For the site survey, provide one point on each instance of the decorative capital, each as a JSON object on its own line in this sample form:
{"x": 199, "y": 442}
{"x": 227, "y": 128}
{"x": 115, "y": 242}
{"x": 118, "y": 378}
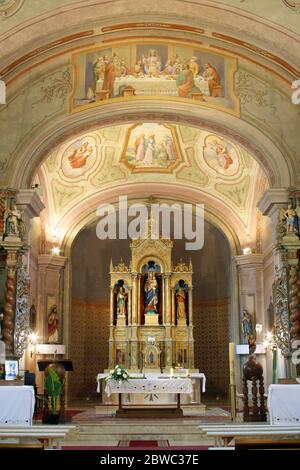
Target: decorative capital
{"x": 182, "y": 267}
{"x": 272, "y": 199}
{"x": 30, "y": 201}
{"x": 121, "y": 267}
{"x": 253, "y": 259}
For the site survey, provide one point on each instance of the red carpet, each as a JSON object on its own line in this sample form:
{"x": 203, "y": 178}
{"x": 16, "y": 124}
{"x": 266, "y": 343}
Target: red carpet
{"x": 133, "y": 448}
{"x": 143, "y": 444}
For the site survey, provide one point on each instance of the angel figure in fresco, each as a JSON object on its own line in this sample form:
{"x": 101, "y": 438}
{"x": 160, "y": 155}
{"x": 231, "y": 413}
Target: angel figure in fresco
{"x": 121, "y": 302}
{"x": 224, "y": 158}
{"x": 79, "y": 156}
{"x": 151, "y": 293}
{"x": 247, "y": 324}
{"x": 53, "y": 321}
{"x": 213, "y": 78}
{"x": 180, "y": 299}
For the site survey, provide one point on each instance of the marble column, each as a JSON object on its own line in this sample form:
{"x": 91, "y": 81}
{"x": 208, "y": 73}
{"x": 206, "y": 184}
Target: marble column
{"x": 250, "y": 273}
{"x": 50, "y": 289}
{"x": 29, "y": 203}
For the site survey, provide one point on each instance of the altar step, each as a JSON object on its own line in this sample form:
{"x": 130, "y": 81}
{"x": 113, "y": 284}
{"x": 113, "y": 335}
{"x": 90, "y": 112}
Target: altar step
{"x": 188, "y": 410}
{"x": 112, "y": 431}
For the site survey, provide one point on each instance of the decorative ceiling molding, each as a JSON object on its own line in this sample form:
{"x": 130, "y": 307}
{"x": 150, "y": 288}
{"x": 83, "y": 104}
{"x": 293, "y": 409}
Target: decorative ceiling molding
{"x": 9, "y": 7}
{"x": 292, "y": 5}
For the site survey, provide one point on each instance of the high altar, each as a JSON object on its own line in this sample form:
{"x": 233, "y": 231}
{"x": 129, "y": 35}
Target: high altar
{"x": 151, "y": 313}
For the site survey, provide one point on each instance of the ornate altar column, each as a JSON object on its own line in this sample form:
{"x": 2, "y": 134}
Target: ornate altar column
{"x": 168, "y": 299}
{"x": 286, "y": 244}
{"x": 111, "y": 306}
{"x": 173, "y": 320}
{"x": 129, "y": 313}
{"x": 190, "y": 305}
{"x": 13, "y": 263}
{"x": 135, "y": 283}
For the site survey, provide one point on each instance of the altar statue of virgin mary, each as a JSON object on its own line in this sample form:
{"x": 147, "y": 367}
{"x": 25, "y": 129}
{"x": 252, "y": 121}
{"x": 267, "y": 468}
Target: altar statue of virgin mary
{"x": 151, "y": 294}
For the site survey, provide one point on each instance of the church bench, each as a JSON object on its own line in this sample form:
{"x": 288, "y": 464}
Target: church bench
{"x": 49, "y": 436}
{"x": 242, "y": 443}
{"x": 223, "y": 434}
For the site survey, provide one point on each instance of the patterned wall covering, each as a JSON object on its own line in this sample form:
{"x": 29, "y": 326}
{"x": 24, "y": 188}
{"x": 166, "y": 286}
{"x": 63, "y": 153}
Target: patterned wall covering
{"x": 89, "y": 349}
{"x": 211, "y": 328}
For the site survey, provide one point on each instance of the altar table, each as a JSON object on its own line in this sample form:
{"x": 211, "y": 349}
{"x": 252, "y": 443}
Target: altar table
{"x": 284, "y": 404}
{"x": 16, "y": 405}
{"x": 150, "y": 385}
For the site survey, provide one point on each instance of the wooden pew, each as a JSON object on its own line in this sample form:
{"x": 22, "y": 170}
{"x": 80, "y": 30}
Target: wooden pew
{"x": 224, "y": 434}
{"x": 50, "y": 437}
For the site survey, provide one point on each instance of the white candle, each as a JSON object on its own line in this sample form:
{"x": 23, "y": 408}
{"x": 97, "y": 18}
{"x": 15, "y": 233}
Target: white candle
{"x": 171, "y": 372}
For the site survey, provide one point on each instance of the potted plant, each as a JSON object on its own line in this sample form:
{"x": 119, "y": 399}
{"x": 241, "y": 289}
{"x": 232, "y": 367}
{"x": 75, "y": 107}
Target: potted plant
{"x": 53, "y": 385}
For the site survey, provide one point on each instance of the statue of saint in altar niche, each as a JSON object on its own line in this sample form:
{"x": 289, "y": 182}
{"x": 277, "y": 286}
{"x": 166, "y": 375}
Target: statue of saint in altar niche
{"x": 121, "y": 302}
{"x": 151, "y": 294}
{"x": 180, "y": 299}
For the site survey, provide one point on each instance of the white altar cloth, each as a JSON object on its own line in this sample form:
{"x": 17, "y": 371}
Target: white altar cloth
{"x": 150, "y": 385}
{"x": 284, "y": 404}
{"x": 148, "y": 86}
{"x": 193, "y": 375}
{"x": 16, "y": 405}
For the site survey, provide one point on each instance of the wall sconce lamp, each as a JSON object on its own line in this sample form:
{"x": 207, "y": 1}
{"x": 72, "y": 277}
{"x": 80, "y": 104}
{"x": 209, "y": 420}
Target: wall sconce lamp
{"x": 55, "y": 251}
{"x": 32, "y": 342}
{"x": 247, "y": 250}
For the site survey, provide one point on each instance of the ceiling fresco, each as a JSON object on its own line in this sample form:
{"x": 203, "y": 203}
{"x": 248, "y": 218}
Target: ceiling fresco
{"x": 157, "y": 69}
{"x": 148, "y": 152}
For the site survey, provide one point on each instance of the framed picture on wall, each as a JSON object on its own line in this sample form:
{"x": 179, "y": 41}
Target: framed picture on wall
{"x": 11, "y": 370}
{"x": 52, "y": 320}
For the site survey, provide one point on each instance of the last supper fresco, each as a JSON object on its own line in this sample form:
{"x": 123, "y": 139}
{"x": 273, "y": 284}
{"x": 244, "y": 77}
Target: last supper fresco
{"x": 132, "y": 71}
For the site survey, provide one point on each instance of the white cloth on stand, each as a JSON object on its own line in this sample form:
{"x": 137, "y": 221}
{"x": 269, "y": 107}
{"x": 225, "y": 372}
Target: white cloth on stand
{"x": 16, "y": 405}
{"x": 284, "y": 404}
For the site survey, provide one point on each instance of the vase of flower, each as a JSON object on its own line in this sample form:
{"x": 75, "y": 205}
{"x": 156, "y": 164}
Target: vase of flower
{"x": 119, "y": 374}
